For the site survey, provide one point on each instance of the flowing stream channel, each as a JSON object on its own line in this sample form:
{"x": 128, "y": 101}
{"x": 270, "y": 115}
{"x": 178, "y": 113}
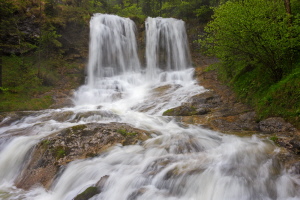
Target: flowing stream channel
{"x": 178, "y": 162}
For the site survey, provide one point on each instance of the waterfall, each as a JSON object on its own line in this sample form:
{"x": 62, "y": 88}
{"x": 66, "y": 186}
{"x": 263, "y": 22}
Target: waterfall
{"x": 113, "y": 48}
{"x": 114, "y": 67}
{"x": 177, "y": 162}
{"x": 166, "y": 45}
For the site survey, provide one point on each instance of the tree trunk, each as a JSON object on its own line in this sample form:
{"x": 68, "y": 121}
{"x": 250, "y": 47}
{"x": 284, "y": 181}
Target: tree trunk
{"x": 160, "y": 7}
{"x": 287, "y": 4}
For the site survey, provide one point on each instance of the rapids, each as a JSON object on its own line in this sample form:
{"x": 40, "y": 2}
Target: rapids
{"x": 179, "y": 162}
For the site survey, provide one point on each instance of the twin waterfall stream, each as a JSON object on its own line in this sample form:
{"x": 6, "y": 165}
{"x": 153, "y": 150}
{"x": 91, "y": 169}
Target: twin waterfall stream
{"x": 178, "y": 162}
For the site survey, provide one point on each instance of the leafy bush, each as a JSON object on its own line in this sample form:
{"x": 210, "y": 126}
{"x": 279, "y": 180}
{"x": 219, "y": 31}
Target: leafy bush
{"x": 253, "y": 33}
{"x": 258, "y": 45}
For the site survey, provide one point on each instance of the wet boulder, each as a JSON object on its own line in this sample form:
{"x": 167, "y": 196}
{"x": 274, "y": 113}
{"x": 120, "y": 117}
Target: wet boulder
{"x": 83, "y": 141}
{"x": 295, "y": 145}
{"x": 208, "y": 99}
{"x": 186, "y": 110}
{"x": 88, "y": 193}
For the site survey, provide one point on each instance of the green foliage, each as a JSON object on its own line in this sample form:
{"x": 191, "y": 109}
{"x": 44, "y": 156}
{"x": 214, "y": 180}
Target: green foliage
{"x": 50, "y": 8}
{"x": 274, "y": 138}
{"x": 128, "y": 9}
{"x": 18, "y": 102}
{"x": 254, "y": 33}
{"x": 168, "y": 112}
{"x": 45, "y": 143}
{"x": 18, "y": 74}
{"x": 22, "y": 85}
{"x": 204, "y": 13}
{"x": 49, "y": 43}
{"x": 295, "y": 6}
{"x": 7, "y": 8}
{"x": 2, "y": 89}
{"x": 282, "y": 99}
{"x": 60, "y": 152}
{"x": 258, "y": 45}
{"x": 188, "y": 9}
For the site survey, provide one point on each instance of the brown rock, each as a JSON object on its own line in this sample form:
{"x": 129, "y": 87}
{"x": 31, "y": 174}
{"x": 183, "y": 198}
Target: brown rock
{"x": 275, "y": 125}
{"x": 77, "y": 142}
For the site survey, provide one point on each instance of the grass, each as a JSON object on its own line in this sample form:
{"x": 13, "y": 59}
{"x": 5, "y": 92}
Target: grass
{"x": 168, "y": 112}
{"x": 283, "y": 99}
{"x": 45, "y": 143}
{"x": 274, "y": 138}
{"x": 280, "y": 99}
{"x": 59, "y": 152}
{"x": 21, "y": 102}
{"x": 21, "y": 87}
{"x": 25, "y": 81}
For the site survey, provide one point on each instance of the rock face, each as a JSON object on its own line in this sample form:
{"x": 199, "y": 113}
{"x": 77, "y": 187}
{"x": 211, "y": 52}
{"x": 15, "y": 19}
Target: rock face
{"x": 77, "y": 142}
{"x": 209, "y": 109}
{"x": 275, "y": 124}
{"x": 290, "y": 143}
{"x": 186, "y": 110}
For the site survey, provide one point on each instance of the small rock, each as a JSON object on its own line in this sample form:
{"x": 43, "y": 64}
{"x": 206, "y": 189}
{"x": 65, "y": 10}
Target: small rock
{"x": 249, "y": 116}
{"x": 275, "y": 125}
{"x": 202, "y": 111}
{"x": 295, "y": 142}
{"x": 209, "y": 99}
{"x": 87, "y": 194}
{"x": 295, "y": 168}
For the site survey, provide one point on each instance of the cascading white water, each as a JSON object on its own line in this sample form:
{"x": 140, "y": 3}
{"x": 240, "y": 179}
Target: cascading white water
{"x": 177, "y": 163}
{"x": 166, "y": 45}
{"x": 113, "y": 48}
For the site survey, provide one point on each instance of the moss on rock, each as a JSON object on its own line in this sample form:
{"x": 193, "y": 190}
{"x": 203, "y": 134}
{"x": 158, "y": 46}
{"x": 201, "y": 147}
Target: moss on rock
{"x": 88, "y": 193}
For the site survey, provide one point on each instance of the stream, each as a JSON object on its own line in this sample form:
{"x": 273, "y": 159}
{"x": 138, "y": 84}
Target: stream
{"x": 178, "y": 161}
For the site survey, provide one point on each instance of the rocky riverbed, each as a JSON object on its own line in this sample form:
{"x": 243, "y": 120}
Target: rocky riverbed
{"x": 216, "y": 109}
{"x": 219, "y": 109}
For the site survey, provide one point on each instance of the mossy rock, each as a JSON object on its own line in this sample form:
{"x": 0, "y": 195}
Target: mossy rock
{"x": 125, "y": 132}
{"x": 88, "y": 193}
{"x": 185, "y": 110}
{"x": 78, "y": 127}
{"x": 73, "y": 143}
{"x": 60, "y": 152}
